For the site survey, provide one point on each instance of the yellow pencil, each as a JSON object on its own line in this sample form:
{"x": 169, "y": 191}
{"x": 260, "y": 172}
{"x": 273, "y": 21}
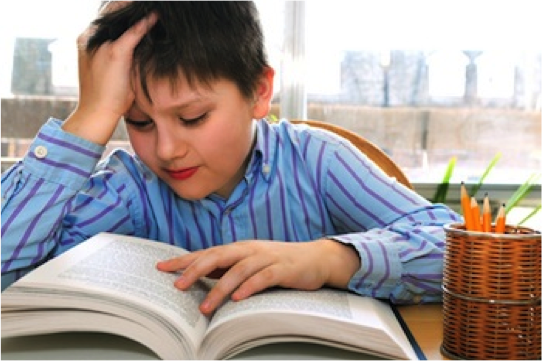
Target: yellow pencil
{"x": 475, "y": 214}
{"x": 465, "y": 205}
{"x": 486, "y": 215}
{"x": 500, "y": 221}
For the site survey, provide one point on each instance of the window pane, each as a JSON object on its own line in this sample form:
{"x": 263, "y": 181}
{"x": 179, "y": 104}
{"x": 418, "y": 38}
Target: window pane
{"x": 272, "y": 20}
{"x": 428, "y": 81}
{"x": 38, "y": 76}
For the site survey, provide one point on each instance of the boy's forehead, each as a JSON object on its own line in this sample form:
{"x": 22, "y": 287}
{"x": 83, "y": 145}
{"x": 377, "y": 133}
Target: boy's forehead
{"x": 165, "y": 94}
{"x": 135, "y": 112}
{"x": 168, "y": 89}
{"x": 177, "y": 83}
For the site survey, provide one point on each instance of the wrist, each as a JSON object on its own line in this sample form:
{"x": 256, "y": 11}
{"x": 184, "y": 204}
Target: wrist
{"x": 343, "y": 262}
{"x": 94, "y": 126}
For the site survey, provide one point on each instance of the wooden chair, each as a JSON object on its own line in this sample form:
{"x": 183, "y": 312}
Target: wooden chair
{"x": 372, "y": 151}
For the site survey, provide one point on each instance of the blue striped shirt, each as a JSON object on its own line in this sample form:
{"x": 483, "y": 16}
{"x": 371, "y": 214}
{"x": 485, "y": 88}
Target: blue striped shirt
{"x": 301, "y": 184}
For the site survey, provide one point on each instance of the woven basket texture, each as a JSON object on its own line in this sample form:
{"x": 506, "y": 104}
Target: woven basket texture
{"x": 492, "y": 289}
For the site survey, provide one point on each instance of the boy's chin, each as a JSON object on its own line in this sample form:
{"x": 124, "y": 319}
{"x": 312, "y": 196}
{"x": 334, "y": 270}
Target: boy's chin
{"x": 193, "y": 192}
{"x": 191, "y": 195}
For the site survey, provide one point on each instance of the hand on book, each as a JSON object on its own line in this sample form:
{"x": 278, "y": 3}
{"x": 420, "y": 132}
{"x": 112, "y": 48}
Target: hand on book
{"x": 245, "y": 268}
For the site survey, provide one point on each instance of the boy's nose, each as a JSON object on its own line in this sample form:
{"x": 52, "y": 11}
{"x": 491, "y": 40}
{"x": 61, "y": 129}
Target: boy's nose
{"x": 170, "y": 145}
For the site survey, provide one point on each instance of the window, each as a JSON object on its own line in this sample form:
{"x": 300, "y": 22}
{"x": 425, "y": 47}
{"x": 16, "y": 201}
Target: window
{"x": 38, "y": 76}
{"x": 429, "y": 81}
{"x": 424, "y": 80}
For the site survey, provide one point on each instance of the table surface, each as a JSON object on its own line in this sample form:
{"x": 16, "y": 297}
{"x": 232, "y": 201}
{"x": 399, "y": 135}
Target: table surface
{"x": 425, "y": 324}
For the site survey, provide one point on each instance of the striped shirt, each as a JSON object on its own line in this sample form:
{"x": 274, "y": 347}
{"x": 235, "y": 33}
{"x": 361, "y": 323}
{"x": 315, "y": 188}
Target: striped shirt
{"x": 301, "y": 184}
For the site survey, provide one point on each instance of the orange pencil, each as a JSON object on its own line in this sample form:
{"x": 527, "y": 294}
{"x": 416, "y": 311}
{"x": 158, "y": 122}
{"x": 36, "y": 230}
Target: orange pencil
{"x": 475, "y": 214}
{"x": 486, "y": 215}
{"x": 500, "y": 221}
{"x": 465, "y": 205}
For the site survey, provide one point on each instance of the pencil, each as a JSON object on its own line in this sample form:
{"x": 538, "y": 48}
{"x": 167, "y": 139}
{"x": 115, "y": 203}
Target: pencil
{"x": 475, "y": 214}
{"x": 465, "y": 205}
{"x": 486, "y": 215}
{"x": 500, "y": 221}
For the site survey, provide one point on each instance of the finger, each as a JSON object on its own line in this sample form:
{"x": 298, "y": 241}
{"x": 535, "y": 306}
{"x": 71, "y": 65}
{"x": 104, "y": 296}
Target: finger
{"x": 208, "y": 261}
{"x": 177, "y": 263}
{"x": 229, "y": 282}
{"x": 200, "y": 268}
{"x": 128, "y": 40}
{"x": 131, "y": 37}
{"x": 267, "y": 277}
{"x": 182, "y": 262}
{"x": 105, "y": 8}
{"x": 109, "y": 6}
{"x": 82, "y": 39}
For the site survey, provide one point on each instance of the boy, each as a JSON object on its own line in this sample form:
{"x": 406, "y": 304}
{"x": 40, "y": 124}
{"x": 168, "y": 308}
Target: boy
{"x": 259, "y": 204}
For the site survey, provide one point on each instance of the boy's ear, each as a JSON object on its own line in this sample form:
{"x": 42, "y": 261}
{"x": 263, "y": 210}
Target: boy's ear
{"x": 264, "y": 94}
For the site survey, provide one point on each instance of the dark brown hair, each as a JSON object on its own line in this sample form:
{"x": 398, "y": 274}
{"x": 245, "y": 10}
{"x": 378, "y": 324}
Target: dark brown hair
{"x": 204, "y": 41}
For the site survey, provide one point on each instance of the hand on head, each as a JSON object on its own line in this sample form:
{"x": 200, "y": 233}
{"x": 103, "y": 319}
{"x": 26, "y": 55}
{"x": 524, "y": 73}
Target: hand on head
{"x": 105, "y": 80}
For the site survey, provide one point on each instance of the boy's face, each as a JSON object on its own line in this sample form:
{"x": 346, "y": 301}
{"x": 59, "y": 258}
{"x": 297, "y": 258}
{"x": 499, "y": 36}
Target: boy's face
{"x": 196, "y": 139}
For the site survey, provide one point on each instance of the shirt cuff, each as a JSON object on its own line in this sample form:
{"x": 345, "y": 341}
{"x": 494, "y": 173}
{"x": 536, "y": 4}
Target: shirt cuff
{"x": 381, "y": 268}
{"x": 61, "y": 157}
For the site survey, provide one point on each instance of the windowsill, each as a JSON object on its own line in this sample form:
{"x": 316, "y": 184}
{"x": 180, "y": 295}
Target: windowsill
{"x": 498, "y": 194}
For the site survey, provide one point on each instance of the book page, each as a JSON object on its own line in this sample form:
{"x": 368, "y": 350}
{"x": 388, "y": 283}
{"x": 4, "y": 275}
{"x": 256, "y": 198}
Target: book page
{"x": 326, "y": 302}
{"x": 76, "y": 346}
{"x": 44, "y": 322}
{"x": 123, "y": 267}
{"x": 290, "y": 349}
{"x": 325, "y": 316}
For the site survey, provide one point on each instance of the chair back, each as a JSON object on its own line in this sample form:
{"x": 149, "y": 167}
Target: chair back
{"x": 370, "y": 149}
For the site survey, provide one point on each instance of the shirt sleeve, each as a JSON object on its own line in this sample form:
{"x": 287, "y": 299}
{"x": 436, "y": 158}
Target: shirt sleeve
{"x": 397, "y": 233}
{"x": 40, "y": 214}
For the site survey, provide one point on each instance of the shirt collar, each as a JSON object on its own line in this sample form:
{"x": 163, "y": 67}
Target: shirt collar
{"x": 264, "y": 152}
{"x": 262, "y": 160}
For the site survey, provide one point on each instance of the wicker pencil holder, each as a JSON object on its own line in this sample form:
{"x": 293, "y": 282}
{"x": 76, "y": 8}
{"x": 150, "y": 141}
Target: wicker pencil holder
{"x": 491, "y": 299}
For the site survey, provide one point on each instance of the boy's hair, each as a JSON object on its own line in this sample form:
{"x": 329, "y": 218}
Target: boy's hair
{"x": 202, "y": 40}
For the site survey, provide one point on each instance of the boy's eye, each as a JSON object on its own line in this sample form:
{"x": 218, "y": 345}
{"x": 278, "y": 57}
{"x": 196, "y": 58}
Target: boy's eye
{"x": 193, "y": 121}
{"x": 140, "y": 124}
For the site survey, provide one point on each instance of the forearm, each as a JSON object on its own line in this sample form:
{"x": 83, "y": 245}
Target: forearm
{"x": 36, "y": 192}
{"x": 397, "y": 234}
{"x": 401, "y": 262}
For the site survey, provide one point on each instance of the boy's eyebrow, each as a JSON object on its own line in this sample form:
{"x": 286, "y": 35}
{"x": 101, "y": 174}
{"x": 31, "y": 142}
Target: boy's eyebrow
{"x": 184, "y": 103}
{"x": 190, "y": 97}
{"x": 187, "y": 103}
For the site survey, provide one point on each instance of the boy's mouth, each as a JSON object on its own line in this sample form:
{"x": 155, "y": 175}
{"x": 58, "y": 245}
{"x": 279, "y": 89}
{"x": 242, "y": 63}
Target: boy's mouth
{"x": 182, "y": 174}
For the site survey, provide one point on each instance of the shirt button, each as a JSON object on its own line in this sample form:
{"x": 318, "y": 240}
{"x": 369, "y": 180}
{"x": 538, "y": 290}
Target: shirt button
{"x": 40, "y": 151}
{"x": 266, "y": 168}
{"x": 147, "y": 176}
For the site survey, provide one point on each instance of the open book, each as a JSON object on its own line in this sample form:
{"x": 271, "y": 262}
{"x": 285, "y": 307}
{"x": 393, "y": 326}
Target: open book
{"x": 110, "y": 284}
